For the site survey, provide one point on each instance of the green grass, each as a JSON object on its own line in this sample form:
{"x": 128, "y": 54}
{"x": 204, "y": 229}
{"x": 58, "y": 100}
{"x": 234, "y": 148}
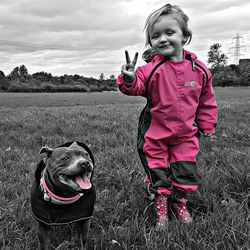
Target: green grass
{"x": 123, "y": 217}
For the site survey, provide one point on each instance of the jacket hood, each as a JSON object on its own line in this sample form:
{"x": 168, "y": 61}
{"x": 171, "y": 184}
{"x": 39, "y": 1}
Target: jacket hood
{"x": 148, "y": 55}
{"x": 189, "y": 54}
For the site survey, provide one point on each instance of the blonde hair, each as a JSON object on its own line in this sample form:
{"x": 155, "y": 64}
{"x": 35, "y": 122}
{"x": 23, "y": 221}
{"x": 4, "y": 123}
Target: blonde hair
{"x": 178, "y": 14}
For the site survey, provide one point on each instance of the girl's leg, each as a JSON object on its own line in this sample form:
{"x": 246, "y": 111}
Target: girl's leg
{"x": 184, "y": 175}
{"x": 154, "y": 158}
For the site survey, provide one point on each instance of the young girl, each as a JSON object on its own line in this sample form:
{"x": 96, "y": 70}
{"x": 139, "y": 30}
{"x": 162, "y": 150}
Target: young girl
{"x": 180, "y": 103}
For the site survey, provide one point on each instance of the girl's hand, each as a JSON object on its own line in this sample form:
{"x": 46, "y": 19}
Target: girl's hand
{"x": 210, "y": 137}
{"x": 128, "y": 69}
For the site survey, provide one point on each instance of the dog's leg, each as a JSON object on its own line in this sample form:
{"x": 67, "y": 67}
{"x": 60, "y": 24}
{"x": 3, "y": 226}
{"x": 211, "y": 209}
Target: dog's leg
{"x": 43, "y": 231}
{"x": 83, "y": 231}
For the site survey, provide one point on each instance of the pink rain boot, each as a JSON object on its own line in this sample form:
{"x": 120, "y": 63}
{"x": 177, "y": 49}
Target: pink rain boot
{"x": 181, "y": 210}
{"x": 162, "y": 212}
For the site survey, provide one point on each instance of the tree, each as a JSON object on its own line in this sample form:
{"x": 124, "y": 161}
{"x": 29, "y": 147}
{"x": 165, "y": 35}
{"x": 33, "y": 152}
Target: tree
{"x": 245, "y": 78}
{"x": 4, "y": 83}
{"x": 216, "y": 57}
{"x": 23, "y": 71}
{"x": 14, "y": 75}
{"x": 19, "y": 73}
{"x": 244, "y": 66}
{"x": 112, "y": 77}
{"x": 2, "y": 74}
{"x": 43, "y": 76}
{"x": 101, "y": 77}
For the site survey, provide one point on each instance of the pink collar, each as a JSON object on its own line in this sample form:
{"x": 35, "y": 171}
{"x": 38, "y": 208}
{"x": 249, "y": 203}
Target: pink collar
{"x": 48, "y": 195}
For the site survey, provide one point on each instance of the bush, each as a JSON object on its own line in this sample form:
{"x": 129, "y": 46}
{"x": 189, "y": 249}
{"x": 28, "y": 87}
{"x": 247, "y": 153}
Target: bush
{"x": 225, "y": 77}
{"x": 71, "y": 88}
{"x": 4, "y": 83}
{"x": 107, "y": 88}
{"x": 37, "y": 86}
{"x": 48, "y": 87}
{"x": 245, "y": 78}
{"x": 17, "y": 86}
{"x": 94, "y": 88}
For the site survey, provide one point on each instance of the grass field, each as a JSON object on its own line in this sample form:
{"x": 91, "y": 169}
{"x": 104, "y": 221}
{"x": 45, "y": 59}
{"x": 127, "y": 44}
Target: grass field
{"x": 123, "y": 217}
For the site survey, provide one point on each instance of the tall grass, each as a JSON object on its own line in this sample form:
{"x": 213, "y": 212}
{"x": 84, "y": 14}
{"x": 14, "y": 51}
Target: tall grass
{"x": 123, "y": 217}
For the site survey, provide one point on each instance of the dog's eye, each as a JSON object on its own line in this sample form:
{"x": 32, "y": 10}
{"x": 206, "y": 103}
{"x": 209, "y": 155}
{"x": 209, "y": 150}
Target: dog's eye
{"x": 66, "y": 157}
{"x": 84, "y": 154}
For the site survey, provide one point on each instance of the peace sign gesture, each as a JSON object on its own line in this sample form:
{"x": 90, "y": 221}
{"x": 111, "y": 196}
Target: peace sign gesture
{"x": 128, "y": 69}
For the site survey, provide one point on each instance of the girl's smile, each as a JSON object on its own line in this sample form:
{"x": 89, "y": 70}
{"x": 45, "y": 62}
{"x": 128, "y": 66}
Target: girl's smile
{"x": 167, "y": 37}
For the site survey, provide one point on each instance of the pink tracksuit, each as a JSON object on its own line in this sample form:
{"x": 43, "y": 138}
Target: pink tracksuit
{"x": 180, "y": 103}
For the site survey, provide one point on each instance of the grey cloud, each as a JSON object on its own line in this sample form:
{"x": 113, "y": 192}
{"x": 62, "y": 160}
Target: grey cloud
{"x": 60, "y": 33}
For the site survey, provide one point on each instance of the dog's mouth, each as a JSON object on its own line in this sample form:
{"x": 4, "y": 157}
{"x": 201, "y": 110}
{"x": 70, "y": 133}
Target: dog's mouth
{"x": 83, "y": 182}
{"x": 77, "y": 182}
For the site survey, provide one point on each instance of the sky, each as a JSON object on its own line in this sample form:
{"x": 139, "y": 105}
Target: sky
{"x": 89, "y": 37}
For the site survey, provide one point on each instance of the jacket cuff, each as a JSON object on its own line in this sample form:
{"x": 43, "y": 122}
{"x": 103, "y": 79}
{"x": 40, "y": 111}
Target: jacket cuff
{"x": 208, "y": 131}
{"x": 120, "y": 81}
{"x": 207, "y": 128}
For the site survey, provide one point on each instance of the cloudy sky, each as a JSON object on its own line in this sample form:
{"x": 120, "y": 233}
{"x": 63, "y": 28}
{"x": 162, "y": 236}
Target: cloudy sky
{"x": 89, "y": 37}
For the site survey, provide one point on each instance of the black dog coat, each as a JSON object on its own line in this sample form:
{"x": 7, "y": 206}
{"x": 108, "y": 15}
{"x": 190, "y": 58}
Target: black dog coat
{"x": 53, "y": 214}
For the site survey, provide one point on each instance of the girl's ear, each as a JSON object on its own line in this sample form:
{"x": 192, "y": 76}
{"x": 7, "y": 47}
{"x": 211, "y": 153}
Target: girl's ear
{"x": 184, "y": 40}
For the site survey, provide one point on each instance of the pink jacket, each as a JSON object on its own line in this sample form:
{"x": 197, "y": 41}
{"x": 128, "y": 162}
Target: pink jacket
{"x": 180, "y": 95}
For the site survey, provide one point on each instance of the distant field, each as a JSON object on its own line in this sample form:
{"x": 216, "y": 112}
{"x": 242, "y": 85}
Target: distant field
{"x": 124, "y": 217}
{"x": 64, "y": 99}
{"x": 96, "y": 98}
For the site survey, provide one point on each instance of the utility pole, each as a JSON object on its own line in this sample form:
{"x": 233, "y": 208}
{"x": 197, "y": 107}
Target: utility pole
{"x": 237, "y": 48}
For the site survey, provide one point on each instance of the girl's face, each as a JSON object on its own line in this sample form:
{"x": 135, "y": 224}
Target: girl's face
{"x": 167, "y": 37}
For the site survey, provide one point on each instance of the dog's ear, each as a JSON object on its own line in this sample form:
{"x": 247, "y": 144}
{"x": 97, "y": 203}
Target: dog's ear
{"x": 74, "y": 144}
{"x": 47, "y": 151}
{"x": 87, "y": 142}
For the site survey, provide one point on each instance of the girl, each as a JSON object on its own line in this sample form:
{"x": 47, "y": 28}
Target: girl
{"x": 180, "y": 103}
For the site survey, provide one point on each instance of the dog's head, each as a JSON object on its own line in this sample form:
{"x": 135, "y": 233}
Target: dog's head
{"x": 69, "y": 167}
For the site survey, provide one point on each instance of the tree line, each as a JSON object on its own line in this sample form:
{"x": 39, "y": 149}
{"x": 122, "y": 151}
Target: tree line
{"x": 19, "y": 80}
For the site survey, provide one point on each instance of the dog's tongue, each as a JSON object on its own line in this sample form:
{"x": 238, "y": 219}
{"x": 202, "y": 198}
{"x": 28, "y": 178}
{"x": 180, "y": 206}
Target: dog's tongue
{"x": 84, "y": 182}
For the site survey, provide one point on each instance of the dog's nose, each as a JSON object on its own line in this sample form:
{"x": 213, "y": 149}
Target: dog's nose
{"x": 85, "y": 164}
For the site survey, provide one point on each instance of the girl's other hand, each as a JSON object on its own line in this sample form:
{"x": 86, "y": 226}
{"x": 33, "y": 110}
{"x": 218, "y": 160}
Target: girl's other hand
{"x": 128, "y": 69}
{"x": 210, "y": 137}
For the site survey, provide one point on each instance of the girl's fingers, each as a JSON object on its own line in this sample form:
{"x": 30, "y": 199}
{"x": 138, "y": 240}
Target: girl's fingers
{"x": 135, "y": 59}
{"x": 124, "y": 67}
{"x": 125, "y": 70}
{"x": 128, "y": 61}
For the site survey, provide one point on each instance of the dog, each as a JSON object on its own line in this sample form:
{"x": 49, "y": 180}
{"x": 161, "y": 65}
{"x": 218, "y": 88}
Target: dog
{"x": 62, "y": 191}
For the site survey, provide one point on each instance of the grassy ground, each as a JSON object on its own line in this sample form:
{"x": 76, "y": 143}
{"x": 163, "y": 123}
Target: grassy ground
{"x": 123, "y": 217}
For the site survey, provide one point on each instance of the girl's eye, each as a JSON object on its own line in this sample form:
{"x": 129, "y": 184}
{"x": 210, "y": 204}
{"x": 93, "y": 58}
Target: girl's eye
{"x": 154, "y": 36}
{"x": 170, "y": 32}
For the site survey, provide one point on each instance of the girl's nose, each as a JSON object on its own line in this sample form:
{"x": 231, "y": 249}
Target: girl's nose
{"x": 163, "y": 38}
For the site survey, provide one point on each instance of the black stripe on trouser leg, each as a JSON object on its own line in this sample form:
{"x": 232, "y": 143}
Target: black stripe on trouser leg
{"x": 185, "y": 173}
{"x": 159, "y": 179}
{"x": 158, "y": 176}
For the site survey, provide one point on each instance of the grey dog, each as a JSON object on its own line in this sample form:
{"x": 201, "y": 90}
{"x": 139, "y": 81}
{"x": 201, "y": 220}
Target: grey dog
{"x": 63, "y": 192}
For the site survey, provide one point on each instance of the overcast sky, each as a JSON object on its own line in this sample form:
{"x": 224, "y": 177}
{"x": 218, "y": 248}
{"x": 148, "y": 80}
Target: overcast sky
{"x": 89, "y": 37}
